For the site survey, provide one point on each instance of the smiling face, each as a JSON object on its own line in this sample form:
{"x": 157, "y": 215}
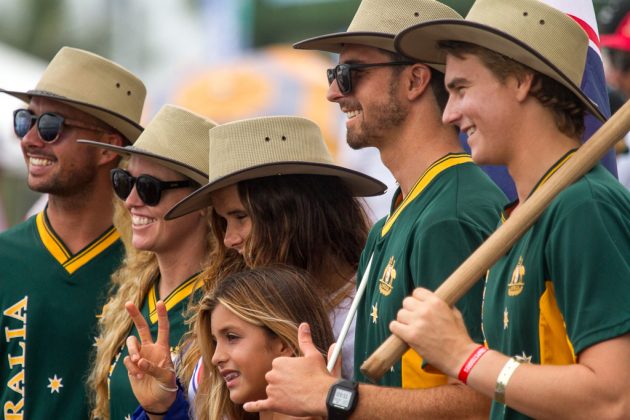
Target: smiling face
{"x": 63, "y": 167}
{"x": 149, "y": 229}
{"x": 483, "y": 107}
{"x": 243, "y": 354}
{"x": 238, "y": 223}
{"x": 374, "y": 106}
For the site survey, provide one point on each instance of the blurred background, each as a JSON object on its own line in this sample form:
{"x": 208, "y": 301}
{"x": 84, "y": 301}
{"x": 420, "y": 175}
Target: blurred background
{"x": 226, "y": 59}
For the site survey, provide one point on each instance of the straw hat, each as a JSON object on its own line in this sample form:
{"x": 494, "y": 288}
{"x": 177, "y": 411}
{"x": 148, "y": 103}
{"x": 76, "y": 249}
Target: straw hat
{"x": 175, "y": 138}
{"x": 527, "y": 31}
{"x": 269, "y": 146}
{"x": 94, "y": 85}
{"x": 377, "y": 22}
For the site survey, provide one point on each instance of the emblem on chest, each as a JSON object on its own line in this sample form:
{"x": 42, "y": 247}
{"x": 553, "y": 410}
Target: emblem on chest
{"x": 387, "y": 281}
{"x": 516, "y": 284}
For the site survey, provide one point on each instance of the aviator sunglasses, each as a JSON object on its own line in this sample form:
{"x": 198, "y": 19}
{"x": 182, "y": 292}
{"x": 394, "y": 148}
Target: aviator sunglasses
{"x": 149, "y": 188}
{"x": 49, "y": 124}
{"x": 342, "y": 73}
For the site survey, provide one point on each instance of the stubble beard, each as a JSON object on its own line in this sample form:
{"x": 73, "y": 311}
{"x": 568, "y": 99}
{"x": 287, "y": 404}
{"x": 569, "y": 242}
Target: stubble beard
{"x": 386, "y": 116}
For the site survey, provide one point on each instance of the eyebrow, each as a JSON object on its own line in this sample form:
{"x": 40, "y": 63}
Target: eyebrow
{"x": 455, "y": 82}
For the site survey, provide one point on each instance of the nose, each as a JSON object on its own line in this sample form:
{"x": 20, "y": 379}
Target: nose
{"x": 219, "y": 356}
{"x": 133, "y": 199}
{"x": 334, "y": 94}
{"x": 232, "y": 238}
{"x": 31, "y": 138}
{"x": 451, "y": 114}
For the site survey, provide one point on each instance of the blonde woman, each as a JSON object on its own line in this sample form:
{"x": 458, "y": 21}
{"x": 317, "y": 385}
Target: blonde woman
{"x": 164, "y": 258}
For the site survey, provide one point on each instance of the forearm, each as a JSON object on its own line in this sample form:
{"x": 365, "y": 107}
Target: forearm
{"x": 453, "y": 401}
{"x": 569, "y": 391}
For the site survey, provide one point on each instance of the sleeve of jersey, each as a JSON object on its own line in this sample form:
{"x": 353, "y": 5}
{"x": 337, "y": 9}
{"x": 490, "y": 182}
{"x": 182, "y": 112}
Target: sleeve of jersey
{"x": 179, "y": 410}
{"x": 588, "y": 253}
{"x": 438, "y": 250}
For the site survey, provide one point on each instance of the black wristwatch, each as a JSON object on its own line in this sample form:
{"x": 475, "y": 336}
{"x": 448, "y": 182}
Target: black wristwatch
{"x": 342, "y": 399}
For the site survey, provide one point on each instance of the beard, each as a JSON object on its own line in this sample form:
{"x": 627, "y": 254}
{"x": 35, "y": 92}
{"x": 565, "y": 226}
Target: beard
{"x": 383, "y": 117}
{"x": 69, "y": 179}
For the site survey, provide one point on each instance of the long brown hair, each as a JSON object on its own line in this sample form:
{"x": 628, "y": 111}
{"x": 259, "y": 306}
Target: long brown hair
{"x": 275, "y": 298}
{"x": 307, "y": 221}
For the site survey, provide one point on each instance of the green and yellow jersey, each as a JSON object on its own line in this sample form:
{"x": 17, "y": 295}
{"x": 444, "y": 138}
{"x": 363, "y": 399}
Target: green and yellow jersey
{"x": 122, "y": 401}
{"x": 50, "y": 300}
{"x": 448, "y": 213}
{"x": 565, "y": 285}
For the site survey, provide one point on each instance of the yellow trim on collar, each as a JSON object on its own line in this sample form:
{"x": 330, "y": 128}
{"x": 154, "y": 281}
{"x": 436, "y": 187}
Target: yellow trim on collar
{"x": 58, "y": 250}
{"x": 429, "y": 175}
{"x": 180, "y": 293}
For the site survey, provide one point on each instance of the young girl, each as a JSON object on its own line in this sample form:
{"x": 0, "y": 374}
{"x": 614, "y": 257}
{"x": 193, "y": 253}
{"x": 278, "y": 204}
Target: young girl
{"x": 249, "y": 319}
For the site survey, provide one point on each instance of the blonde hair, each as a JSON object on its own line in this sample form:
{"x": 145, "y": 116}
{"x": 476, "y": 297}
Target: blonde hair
{"x": 276, "y": 299}
{"x": 131, "y": 282}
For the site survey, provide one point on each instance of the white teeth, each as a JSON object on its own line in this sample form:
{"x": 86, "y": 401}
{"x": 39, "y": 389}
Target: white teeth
{"x": 352, "y": 114}
{"x": 471, "y": 131}
{"x": 40, "y": 161}
{"x": 140, "y": 220}
{"x": 231, "y": 376}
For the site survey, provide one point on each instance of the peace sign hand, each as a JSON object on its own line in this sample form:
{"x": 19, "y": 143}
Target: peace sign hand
{"x": 149, "y": 365}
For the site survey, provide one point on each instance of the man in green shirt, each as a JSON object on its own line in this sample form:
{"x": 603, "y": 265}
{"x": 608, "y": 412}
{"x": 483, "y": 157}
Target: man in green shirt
{"x": 556, "y": 314}
{"x": 55, "y": 267}
{"x": 444, "y": 208}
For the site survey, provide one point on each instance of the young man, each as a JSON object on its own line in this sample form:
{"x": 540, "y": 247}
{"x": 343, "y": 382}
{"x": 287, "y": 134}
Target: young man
{"x": 556, "y": 310}
{"x": 444, "y": 208}
{"x": 55, "y": 267}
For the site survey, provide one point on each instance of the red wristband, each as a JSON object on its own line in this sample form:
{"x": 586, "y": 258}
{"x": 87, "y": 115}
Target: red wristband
{"x": 471, "y": 362}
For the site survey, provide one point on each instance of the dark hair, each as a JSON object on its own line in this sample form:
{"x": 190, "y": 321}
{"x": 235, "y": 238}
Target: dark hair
{"x": 568, "y": 111}
{"x": 307, "y": 221}
{"x": 437, "y": 79}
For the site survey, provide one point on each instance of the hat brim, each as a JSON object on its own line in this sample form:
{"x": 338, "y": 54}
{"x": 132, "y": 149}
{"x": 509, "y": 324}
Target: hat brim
{"x": 128, "y": 128}
{"x": 334, "y": 43}
{"x": 186, "y": 170}
{"x": 420, "y": 42}
{"x": 360, "y": 185}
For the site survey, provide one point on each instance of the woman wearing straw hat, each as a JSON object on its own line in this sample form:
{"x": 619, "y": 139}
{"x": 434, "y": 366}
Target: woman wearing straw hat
{"x": 278, "y": 197}
{"x": 161, "y": 271}
{"x": 556, "y": 312}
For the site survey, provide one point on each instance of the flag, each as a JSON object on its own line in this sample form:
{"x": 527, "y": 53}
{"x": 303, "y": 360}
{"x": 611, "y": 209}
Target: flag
{"x": 593, "y": 85}
{"x": 593, "y": 80}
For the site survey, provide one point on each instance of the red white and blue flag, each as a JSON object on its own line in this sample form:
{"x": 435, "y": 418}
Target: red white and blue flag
{"x": 593, "y": 81}
{"x": 593, "y": 85}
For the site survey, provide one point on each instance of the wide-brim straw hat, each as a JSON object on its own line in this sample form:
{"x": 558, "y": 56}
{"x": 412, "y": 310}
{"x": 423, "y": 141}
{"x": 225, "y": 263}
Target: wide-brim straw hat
{"x": 94, "y": 85}
{"x": 175, "y": 138}
{"x": 377, "y": 22}
{"x": 270, "y": 146}
{"x": 527, "y": 31}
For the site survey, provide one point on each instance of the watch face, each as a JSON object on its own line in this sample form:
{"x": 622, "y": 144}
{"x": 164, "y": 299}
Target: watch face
{"x": 342, "y": 398}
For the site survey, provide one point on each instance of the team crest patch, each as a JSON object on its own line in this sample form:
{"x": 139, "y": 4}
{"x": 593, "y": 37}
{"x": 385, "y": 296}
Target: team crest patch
{"x": 515, "y": 287}
{"x": 387, "y": 281}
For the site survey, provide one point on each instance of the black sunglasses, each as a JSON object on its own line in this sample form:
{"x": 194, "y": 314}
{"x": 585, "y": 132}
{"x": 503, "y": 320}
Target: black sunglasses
{"x": 149, "y": 188}
{"x": 342, "y": 73}
{"x": 49, "y": 124}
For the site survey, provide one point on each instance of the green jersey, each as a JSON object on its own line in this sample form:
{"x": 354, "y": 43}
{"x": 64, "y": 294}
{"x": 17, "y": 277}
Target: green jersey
{"x": 50, "y": 300}
{"x": 448, "y": 213}
{"x": 122, "y": 401}
{"x": 565, "y": 285}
